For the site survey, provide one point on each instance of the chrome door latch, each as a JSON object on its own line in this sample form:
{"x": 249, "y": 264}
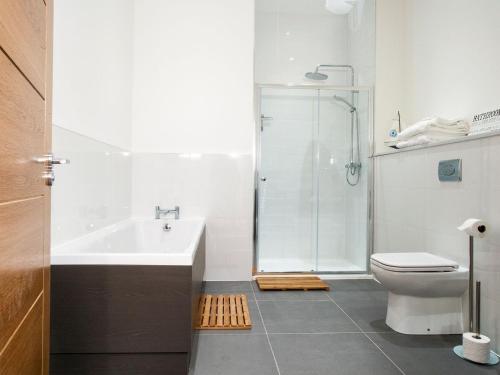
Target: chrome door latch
{"x": 264, "y": 119}
{"x": 49, "y": 161}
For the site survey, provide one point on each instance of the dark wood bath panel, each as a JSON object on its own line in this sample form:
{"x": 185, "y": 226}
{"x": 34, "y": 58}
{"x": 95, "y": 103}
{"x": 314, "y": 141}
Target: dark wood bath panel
{"x": 124, "y": 309}
{"x": 119, "y": 364}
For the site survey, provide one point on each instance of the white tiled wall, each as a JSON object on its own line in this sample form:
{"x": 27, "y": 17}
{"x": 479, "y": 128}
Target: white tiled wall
{"x": 218, "y": 187}
{"x": 91, "y": 192}
{"x": 92, "y": 109}
{"x": 193, "y": 94}
{"x": 95, "y": 190}
{"x": 293, "y": 36}
{"x": 416, "y": 212}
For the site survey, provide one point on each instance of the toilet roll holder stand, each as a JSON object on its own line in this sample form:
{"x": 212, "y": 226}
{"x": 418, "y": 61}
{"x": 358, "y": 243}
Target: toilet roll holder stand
{"x": 459, "y": 349}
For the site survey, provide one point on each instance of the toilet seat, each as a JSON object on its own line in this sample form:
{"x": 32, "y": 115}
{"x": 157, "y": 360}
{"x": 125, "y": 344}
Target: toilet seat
{"x": 413, "y": 262}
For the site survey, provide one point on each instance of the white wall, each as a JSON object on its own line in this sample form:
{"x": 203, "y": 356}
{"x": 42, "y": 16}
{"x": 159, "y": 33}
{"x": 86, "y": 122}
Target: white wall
{"x": 293, "y": 36}
{"x": 452, "y": 62}
{"x": 91, "y": 192}
{"x": 435, "y": 58}
{"x": 362, "y": 41}
{"x": 179, "y": 92}
{"x": 193, "y": 76}
{"x": 93, "y": 68}
{"x": 193, "y": 125}
{"x": 218, "y": 187}
{"x": 439, "y": 58}
{"x": 390, "y": 51}
{"x": 92, "y": 108}
{"x": 416, "y": 212}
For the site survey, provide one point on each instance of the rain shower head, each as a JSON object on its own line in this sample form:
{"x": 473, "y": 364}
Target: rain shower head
{"x": 317, "y": 76}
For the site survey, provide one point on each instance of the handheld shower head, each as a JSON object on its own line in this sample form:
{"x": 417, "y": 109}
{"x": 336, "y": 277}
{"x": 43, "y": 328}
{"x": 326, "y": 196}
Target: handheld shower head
{"x": 340, "y": 99}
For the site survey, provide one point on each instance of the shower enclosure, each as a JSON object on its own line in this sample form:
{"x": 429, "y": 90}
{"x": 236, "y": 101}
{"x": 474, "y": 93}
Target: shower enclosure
{"x": 313, "y": 179}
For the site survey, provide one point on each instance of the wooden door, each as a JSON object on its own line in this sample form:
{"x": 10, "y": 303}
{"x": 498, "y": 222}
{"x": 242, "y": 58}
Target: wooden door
{"x": 25, "y": 124}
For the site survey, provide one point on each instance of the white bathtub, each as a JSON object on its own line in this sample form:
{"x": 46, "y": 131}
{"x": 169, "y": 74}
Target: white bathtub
{"x": 135, "y": 241}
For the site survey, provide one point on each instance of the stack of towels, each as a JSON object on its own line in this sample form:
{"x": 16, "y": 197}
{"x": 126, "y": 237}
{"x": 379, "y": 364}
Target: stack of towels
{"x": 432, "y": 130}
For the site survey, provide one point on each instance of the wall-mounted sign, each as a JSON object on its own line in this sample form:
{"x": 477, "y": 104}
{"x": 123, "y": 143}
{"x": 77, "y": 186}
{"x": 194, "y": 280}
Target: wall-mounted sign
{"x": 485, "y": 122}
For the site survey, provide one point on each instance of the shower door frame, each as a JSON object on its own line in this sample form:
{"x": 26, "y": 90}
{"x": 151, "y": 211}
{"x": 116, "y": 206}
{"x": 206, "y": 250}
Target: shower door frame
{"x": 370, "y": 177}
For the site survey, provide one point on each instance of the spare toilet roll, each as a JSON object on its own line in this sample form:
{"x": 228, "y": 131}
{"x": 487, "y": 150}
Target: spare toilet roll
{"x": 476, "y": 349}
{"x": 473, "y": 227}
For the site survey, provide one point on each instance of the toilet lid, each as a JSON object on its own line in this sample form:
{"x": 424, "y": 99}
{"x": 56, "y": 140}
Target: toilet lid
{"x": 413, "y": 262}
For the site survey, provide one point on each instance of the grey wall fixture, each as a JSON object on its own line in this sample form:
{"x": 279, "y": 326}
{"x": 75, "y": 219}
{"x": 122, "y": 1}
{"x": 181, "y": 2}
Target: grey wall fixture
{"x": 450, "y": 170}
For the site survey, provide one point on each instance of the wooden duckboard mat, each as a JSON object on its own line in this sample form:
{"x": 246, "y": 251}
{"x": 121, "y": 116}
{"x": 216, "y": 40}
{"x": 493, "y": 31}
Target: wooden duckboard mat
{"x": 291, "y": 283}
{"x": 229, "y": 311}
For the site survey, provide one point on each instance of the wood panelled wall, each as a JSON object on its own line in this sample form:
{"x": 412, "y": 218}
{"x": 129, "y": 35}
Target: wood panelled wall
{"x": 25, "y": 124}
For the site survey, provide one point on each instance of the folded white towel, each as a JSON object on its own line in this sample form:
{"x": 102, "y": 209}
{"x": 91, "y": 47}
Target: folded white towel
{"x": 430, "y": 137}
{"x": 415, "y": 141}
{"x": 436, "y": 125}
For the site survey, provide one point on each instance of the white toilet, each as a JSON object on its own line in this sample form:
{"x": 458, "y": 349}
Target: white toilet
{"x": 425, "y": 292}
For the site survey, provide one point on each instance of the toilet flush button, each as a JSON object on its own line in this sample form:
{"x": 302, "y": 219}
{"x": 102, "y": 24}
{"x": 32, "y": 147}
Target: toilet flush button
{"x": 450, "y": 170}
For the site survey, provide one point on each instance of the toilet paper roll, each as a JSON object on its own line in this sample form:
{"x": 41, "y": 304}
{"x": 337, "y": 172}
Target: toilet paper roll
{"x": 476, "y": 349}
{"x": 473, "y": 227}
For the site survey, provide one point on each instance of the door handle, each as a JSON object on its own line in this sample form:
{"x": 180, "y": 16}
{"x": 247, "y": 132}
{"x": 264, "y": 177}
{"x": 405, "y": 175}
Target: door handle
{"x": 263, "y": 179}
{"x": 59, "y": 161}
{"x": 49, "y": 161}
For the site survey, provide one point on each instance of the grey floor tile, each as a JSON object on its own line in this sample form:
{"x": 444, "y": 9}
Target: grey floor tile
{"x": 367, "y": 308}
{"x": 234, "y": 355}
{"x": 354, "y": 285}
{"x": 229, "y": 287}
{"x": 304, "y": 317}
{"x": 257, "y": 326}
{"x": 289, "y": 295}
{"x": 330, "y": 354}
{"x": 429, "y": 355}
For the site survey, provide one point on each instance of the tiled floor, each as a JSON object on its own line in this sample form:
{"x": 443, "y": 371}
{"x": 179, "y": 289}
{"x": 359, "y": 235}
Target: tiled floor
{"x": 324, "y": 333}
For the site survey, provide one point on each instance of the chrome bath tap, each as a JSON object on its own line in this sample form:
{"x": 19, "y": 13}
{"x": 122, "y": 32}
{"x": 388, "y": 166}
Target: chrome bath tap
{"x": 162, "y": 212}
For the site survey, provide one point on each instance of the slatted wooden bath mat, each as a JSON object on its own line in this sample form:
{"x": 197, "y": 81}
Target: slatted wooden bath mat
{"x": 229, "y": 311}
{"x": 292, "y": 283}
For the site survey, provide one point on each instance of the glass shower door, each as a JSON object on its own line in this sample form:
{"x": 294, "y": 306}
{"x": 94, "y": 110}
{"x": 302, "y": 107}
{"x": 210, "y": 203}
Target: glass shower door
{"x": 313, "y": 180}
{"x": 287, "y": 208}
{"x": 343, "y": 166}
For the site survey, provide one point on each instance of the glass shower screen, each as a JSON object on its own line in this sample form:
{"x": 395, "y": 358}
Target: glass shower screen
{"x": 313, "y": 180}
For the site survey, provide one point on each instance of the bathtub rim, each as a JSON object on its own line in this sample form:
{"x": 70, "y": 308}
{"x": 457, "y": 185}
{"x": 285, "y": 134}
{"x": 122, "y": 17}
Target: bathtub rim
{"x": 62, "y": 254}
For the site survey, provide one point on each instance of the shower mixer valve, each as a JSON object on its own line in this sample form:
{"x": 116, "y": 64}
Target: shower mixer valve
{"x": 353, "y": 167}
